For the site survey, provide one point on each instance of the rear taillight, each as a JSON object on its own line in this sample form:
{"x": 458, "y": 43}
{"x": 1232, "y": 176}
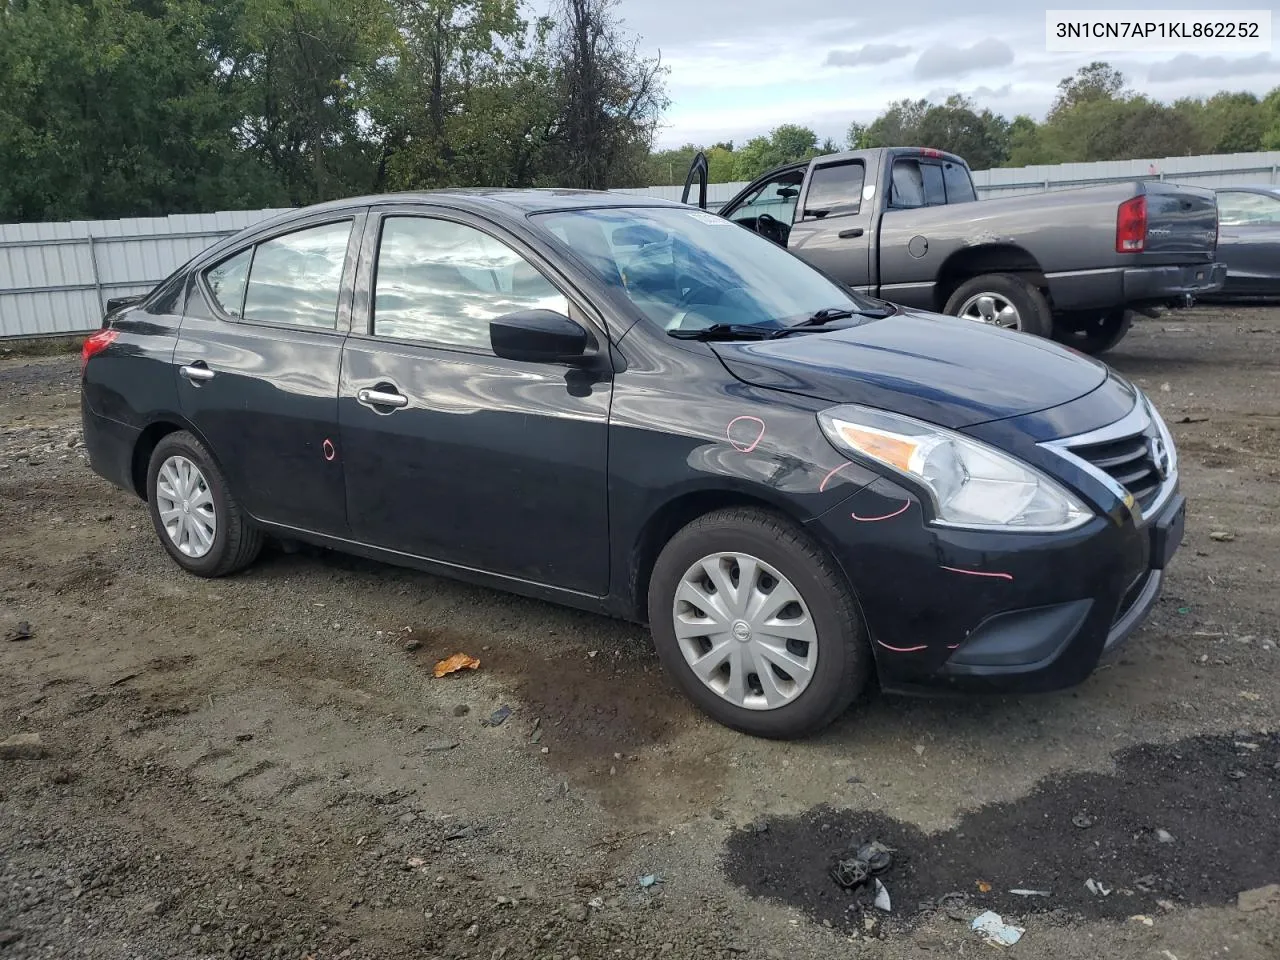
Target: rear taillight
{"x": 95, "y": 344}
{"x": 1131, "y": 226}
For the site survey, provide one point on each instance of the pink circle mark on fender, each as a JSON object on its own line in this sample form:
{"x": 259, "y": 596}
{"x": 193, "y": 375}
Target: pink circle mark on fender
{"x": 329, "y": 451}
{"x": 888, "y": 516}
{"x": 980, "y": 573}
{"x": 834, "y": 470}
{"x": 739, "y": 445}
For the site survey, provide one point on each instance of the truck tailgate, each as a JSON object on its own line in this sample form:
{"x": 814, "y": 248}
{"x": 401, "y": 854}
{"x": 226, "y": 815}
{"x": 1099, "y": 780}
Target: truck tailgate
{"x": 1180, "y": 220}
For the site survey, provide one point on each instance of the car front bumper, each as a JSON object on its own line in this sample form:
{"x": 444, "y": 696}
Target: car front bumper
{"x": 1019, "y": 612}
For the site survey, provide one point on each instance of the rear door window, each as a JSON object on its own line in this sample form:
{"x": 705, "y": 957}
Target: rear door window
{"x": 294, "y": 279}
{"x": 906, "y": 188}
{"x": 835, "y": 190}
{"x": 917, "y": 183}
{"x": 959, "y": 185}
{"x": 935, "y": 192}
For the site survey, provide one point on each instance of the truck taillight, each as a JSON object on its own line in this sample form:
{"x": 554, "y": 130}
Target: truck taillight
{"x": 1131, "y": 226}
{"x": 94, "y": 344}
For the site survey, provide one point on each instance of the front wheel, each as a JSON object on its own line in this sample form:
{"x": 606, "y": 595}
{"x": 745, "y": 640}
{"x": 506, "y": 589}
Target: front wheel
{"x": 1002, "y": 300}
{"x": 757, "y": 625}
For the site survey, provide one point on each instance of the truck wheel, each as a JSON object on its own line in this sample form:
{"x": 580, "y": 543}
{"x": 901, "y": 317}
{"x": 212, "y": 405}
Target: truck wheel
{"x": 1098, "y": 335}
{"x": 757, "y": 625}
{"x": 1002, "y": 300}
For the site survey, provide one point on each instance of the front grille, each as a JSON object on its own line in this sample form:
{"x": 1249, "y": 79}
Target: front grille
{"x": 1131, "y": 462}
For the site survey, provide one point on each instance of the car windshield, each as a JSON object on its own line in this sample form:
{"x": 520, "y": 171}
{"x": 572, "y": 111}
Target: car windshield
{"x": 688, "y": 270}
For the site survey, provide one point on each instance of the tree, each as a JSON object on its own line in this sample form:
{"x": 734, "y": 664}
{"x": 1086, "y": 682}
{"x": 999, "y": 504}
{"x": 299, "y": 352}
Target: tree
{"x": 111, "y": 110}
{"x": 460, "y": 100}
{"x": 610, "y": 97}
{"x": 784, "y": 144}
{"x": 299, "y": 67}
{"x": 1091, "y": 83}
{"x": 955, "y": 126}
{"x": 898, "y": 126}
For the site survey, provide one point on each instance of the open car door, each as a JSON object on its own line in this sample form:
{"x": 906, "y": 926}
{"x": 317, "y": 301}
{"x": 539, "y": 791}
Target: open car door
{"x": 697, "y": 173}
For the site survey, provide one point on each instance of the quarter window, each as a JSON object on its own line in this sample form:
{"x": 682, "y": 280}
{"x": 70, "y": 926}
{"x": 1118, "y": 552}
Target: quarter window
{"x": 442, "y": 282}
{"x": 226, "y": 281}
{"x": 295, "y": 279}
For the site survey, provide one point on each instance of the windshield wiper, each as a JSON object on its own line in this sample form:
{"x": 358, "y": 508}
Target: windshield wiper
{"x": 828, "y": 314}
{"x": 731, "y": 331}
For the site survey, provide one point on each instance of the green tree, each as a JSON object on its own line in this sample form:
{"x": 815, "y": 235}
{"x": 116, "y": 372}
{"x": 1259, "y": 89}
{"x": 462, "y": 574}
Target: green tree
{"x": 957, "y": 127}
{"x": 784, "y": 144}
{"x": 610, "y": 98}
{"x": 112, "y": 108}
{"x": 898, "y": 126}
{"x": 1093, "y": 82}
{"x": 301, "y": 68}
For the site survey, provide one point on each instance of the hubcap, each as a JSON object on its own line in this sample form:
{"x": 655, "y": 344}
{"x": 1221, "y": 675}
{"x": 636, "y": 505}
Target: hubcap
{"x": 991, "y": 308}
{"x": 745, "y": 631}
{"x": 185, "y": 505}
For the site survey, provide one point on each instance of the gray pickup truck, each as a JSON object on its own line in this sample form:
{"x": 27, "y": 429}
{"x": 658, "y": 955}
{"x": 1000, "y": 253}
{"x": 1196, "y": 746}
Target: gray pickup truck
{"x": 906, "y": 225}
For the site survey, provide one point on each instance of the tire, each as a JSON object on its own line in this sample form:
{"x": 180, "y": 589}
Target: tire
{"x": 235, "y": 542}
{"x": 1097, "y": 336}
{"x": 1033, "y": 313}
{"x": 842, "y": 662}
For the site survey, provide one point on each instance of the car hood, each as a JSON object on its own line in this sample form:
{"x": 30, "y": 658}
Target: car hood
{"x": 943, "y": 370}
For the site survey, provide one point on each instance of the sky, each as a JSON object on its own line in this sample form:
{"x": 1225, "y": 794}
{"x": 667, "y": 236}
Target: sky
{"x": 740, "y": 67}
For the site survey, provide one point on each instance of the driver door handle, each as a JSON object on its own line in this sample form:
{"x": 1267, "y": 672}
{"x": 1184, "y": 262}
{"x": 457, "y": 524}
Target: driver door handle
{"x": 851, "y": 233}
{"x": 380, "y": 398}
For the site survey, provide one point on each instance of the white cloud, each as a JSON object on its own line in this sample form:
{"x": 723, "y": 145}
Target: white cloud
{"x": 942, "y": 60}
{"x": 1188, "y": 66}
{"x": 870, "y": 54}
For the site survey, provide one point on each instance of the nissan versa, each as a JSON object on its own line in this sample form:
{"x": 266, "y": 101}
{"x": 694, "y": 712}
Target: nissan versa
{"x": 641, "y": 409}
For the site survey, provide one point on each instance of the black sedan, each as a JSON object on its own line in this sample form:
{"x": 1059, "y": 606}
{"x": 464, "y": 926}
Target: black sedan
{"x": 639, "y": 409}
{"x": 1249, "y": 242}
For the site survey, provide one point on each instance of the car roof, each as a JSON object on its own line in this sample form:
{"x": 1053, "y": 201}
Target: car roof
{"x": 1250, "y": 188}
{"x": 512, "y": 199}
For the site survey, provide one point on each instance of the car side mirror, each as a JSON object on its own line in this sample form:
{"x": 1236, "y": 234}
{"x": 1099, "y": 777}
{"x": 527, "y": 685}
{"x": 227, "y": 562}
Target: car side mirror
{"x": 539, "y": 336}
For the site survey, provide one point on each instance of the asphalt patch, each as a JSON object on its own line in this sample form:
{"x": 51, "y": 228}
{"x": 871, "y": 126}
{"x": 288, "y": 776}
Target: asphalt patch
{"x": 1190, "y": 823}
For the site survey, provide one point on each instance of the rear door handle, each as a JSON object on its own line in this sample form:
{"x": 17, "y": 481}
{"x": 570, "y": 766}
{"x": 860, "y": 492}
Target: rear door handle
{"x": 380, "y": 398}
{"x": 196, "y": 372}
{"x": 851, "y": 233}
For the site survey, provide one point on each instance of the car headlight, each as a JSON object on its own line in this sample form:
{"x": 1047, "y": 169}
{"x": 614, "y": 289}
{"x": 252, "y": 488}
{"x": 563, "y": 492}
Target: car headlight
{"x": 971, "y": 484}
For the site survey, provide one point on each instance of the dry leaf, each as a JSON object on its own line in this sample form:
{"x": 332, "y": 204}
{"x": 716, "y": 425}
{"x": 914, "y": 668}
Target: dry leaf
{"x": 459, "y": 661}
{"x": 984, "y": 887}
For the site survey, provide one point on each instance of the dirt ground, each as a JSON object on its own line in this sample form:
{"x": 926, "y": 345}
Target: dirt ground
{"x": 263, "y": 766}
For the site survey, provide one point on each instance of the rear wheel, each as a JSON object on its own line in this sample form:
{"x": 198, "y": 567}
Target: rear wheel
{"x": 1096, "y": 335}
{"x": 1002, "y": 300}
{"x": 757, "y": 625}
{"x": 198, "y": 520}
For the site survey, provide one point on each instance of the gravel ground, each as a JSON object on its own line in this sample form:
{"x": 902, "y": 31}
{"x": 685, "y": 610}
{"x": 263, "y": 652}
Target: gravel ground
{"x": 263, "y": 766}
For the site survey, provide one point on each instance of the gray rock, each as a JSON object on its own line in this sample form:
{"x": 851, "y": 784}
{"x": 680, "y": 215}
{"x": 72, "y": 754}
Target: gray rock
{"x": 22, "y": 746}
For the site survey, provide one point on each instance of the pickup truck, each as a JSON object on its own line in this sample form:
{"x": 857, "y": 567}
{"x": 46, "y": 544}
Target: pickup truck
{"x": 905, "y": 224}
